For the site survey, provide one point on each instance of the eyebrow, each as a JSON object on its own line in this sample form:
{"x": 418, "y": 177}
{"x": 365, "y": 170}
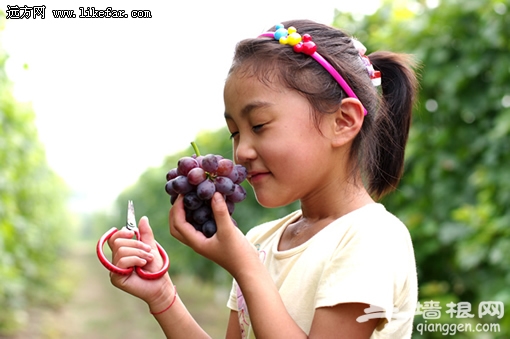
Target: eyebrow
{"x": 249, "y": 108}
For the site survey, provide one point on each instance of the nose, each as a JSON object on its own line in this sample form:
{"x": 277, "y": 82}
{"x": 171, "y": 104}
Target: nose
{"x": 244, "y": 151}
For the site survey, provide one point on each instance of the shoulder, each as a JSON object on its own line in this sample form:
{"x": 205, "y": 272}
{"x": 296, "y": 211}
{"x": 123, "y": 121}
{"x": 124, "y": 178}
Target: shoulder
{"x": 375, "y": 221}
{"x": 372, "y": 258}
{"x": 373, "y": 233}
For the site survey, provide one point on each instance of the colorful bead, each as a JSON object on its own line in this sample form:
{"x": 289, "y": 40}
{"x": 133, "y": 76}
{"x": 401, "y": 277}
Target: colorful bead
{"x": 307, "y": 46}
{"x": 292, "y": 39}
{"x": 280, "y": 32}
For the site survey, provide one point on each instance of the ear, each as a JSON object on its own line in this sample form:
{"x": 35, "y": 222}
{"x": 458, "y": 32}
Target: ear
{"x": 348, "y": 121}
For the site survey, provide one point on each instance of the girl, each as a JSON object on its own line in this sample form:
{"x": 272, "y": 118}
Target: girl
{"x": 308, "y": 124}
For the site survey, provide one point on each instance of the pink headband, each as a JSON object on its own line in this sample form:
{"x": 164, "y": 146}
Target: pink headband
{"x": 305, "y": 45}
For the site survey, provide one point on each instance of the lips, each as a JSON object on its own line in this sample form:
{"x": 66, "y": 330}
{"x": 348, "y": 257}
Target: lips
{"x": 252, "y": 174}
{"x": 255, "y": 176}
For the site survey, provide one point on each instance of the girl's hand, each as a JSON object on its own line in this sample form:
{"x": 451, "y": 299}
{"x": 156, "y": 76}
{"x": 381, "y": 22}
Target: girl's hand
{"x": 128, "y": 252}
{"x": 229, "y": 248}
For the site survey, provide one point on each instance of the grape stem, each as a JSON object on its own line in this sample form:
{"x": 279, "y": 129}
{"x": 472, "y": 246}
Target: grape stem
{"x": 195, "y": 147}
{"x": 210, "y": 176}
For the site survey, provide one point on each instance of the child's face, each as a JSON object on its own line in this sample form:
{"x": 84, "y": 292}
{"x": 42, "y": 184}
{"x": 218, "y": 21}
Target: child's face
{"x": 275, "y": 138}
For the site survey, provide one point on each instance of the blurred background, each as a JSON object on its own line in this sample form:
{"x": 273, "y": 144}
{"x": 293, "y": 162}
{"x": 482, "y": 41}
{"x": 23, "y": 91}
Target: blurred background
{"x": 94, "y": 112}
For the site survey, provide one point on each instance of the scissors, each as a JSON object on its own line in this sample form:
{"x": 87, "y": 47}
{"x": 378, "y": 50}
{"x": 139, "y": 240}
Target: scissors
{"x": 130, "y": 225}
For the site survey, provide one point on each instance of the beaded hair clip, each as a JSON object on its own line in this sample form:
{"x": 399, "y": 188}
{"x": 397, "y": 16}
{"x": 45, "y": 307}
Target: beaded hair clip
{"x": 304, "y": 44}
{"x": 375, "y": 76}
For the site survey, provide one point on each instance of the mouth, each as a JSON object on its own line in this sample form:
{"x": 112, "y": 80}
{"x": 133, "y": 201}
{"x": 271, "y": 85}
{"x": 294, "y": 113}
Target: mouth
{"x": 255, "y": 176}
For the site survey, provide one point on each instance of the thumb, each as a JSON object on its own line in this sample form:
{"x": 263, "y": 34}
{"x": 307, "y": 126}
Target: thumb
{"x": 220, "y": 211}
{"x": 146, "y": 234}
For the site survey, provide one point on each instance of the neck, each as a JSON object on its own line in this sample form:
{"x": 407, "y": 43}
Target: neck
{"x": 335, "y": 200}
{"x": 321, "y": 209}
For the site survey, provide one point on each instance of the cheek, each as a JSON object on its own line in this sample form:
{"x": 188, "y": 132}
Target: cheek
{"x": 234, "y": 149}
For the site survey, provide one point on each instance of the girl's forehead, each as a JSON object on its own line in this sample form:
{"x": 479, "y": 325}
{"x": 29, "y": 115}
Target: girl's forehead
{"x": 249, "y": 83}
{"x": 246, "y": 96}
{"x": 242, "y": 91}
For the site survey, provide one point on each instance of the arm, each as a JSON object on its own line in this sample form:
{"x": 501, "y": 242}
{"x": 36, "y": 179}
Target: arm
{"x": 177, "y": 322}
{"x": 233, "y": 329}
{"x": 339, "y": 321}
{"x": 270, "y": 319}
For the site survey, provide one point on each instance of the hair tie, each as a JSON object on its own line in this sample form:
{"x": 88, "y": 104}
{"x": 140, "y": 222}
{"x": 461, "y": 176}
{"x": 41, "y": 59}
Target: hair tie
{"x": 304, "y": 44}
{"x": 375, "y": 76}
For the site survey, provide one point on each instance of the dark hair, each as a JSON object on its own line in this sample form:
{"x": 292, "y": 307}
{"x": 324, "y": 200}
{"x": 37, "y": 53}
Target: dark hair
{"x": 379, "y": 147}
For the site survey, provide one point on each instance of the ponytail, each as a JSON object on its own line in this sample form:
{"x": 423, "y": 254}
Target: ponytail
{"x": 384, "y": 166}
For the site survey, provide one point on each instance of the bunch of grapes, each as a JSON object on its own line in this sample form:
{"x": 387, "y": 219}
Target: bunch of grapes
{"x": 197, "y": 178}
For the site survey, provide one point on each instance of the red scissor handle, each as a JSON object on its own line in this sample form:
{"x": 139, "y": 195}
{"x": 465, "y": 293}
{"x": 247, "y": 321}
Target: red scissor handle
{"x": 127, "y": 271}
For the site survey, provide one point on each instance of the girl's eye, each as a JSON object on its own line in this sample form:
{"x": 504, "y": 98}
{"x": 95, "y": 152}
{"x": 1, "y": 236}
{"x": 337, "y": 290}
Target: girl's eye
{"x": 257, "y": 128}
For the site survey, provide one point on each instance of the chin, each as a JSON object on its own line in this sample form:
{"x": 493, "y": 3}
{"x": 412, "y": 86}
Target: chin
{"x": 270, "y": 201}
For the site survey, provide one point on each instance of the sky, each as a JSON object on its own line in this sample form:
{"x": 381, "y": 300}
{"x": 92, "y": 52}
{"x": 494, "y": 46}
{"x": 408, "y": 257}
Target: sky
{"x": 113, "y": 97}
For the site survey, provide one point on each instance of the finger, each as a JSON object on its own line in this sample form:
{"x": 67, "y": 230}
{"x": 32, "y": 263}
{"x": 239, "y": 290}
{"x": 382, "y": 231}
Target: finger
{"x": 122, "y": 233}
{"x": 131, "y": 261}
{"x": 125, "y": 238}
{"x": 220, "y": 211}
{"x": 126, "y": 256}
{"x": 146, "y": 234}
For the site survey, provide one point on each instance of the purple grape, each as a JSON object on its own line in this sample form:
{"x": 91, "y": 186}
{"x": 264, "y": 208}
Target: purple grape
{"x": 196, "y": 176}
{"x": 224, "y": 185}
{"x": 171, "y": 174}
{"x": 185, "y": 165}
{"x": 189, "y": 215}
{"x": 206, "y": 189}
{"x": 225, "y": 166}
{"x": 181, "y": 185}
{"x": 210, "y": 163}
{"x": 197, "y": 226}
{"x": 202, "y": 214}
{"x": 231, "y": 207}
{"x": 238, "y": 195}
{"x": 173, "y": 198}
{"x": 241, "y": 172}
{"x": 192, "y": 201}
{"x": 234, "y": 176}
{"x": 169, "y": 189}
{"x": 199, "y": 160}
{"x": 209, "y": 228}
{"x": 189, "y": 219}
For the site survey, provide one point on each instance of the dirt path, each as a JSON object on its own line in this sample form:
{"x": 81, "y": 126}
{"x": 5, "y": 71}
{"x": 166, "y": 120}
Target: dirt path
{"x": 98, "y": 310}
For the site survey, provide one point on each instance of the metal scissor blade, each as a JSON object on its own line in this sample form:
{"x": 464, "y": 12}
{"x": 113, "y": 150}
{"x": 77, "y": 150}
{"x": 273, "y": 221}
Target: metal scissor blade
{"x": 131, "y": 220}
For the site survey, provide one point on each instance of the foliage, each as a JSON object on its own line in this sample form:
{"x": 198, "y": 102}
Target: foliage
{"x": 33, "y": 218}
{"x": 456, "y": 191}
